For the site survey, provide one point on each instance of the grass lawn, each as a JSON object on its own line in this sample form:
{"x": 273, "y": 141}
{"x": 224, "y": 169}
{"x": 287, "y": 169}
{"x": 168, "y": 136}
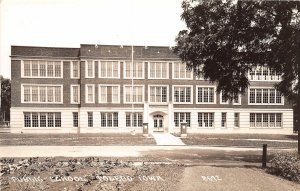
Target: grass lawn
{"x": 95, "y": 139}
{"x": 241, "y": 140}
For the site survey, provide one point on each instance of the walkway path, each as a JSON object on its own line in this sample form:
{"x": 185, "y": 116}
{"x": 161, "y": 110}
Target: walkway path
{"x": 166, "y": 139}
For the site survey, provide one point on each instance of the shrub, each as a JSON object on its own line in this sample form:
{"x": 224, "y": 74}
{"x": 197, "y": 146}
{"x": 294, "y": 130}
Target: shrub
{"x": 286, "y": 165}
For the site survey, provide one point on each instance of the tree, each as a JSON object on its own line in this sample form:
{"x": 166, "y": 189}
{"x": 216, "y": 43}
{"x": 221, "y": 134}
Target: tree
{"x": 225, "y": 40}
{"x": 5, "y": 98}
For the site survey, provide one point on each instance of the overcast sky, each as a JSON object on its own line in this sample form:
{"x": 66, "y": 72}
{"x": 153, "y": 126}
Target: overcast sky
{"x": 69, "y": 23}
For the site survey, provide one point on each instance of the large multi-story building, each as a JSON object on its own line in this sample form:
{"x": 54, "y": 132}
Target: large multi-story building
{"x": 118, "y": 88}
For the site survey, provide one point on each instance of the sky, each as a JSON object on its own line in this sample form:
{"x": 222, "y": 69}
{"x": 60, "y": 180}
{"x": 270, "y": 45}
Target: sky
{"x": 69, "y": 23}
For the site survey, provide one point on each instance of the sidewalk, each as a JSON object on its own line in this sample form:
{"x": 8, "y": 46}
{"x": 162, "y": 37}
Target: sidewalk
{"x": 166, "y": 139}
{"x": 107, "y": 151}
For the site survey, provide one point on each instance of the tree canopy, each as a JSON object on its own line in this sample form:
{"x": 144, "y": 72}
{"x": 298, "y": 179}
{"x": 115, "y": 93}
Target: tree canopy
{"x": 225, "y": 39}
{"x": 5, "y": 98}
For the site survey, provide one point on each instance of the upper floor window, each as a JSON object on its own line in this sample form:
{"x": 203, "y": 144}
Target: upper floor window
{"x": 182, "y": 94}
{"x": 134, "y": 94}
{"x": 180, "y": 71}
{"x": 264, "y": 96}
{"x": 108, "y": 69}
{"x": 135, "y": 70}
{"x": 41, "y": 93}
{"x": 90, "y": 93}
{"x": 222, "y": 99}
{"x": 206, "y": 95}
{"x": 263, "y": 74}
{"x": 89, "y": 69}
{"x": 158, "y": 70}
{"x": 158, "y": 94}
{"x": 109, "y": 94}
{"x": 75, "y": 94}
{"x": 42, "y": 69}
{"x": 75, "y": 69}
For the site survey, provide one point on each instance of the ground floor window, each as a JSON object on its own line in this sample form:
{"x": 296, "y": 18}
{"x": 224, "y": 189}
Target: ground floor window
{"x": 42, "y": 119}
{"x": 205, "y": 119}
{"x": 109, "y": 119}
{"x": 265, "y": 119}
{"x": 223, "y": 119}
{"x": 236, "y": 119}
{"x": 134, "y": 119}
{"x": 90, "y": 119}
{"x": 180, "y": 117}
{"x": 75, "y": 119}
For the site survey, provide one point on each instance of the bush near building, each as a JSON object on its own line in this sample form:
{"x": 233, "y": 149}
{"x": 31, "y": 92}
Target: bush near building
{"x": 286, "y": 165}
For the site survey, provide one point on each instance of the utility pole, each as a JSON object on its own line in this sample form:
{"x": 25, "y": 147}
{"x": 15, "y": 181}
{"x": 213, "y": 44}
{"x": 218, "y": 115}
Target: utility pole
{"x": 298, "y": 93}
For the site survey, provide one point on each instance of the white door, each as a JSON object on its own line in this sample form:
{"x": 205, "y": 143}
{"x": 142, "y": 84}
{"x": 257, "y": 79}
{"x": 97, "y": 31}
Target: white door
{"x": 158, "y": 121}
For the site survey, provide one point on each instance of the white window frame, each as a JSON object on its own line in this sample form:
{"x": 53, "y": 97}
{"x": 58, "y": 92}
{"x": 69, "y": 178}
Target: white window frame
{"x": 167, "y": 63}
{"x": 99, "y": 68}
{"x": 71, "y": 91}
{"x": 173, "y": 72}
{"x": 71, "y": 68}
{"x": 124, "y": 70}
{"x": 108, "y": 85}
{"x": 86, "y": 93}
{"x": 239, "y": 99}
{"x": 209, "y": 113}
{"x": 262, "y": 120}
{"x": 221, "y": 101}
{"x": 263, "y": 87}
{"x": 277, "y": 78}
{"x": 46, "y": 63}
{"x": 206, "y": 86}
{"x": 173, "y": 96}
{"x": 42, "y": 85}
{"x": 39, "y": 120}
{"x": 86, "y": 69}
{"x": 124, "y": 93}
{"x": 149, "y": 96}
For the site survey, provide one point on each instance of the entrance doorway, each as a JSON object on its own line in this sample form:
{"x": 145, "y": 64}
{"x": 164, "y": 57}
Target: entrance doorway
{"x": 158, "y": 121}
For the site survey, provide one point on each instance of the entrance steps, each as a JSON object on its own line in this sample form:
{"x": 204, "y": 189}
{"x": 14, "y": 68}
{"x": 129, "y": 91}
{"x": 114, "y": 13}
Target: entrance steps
{"x": 166, "y": 139}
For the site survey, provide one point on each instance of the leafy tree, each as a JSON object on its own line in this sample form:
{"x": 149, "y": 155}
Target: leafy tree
{"x": 5, "y": 98}
{"x": 225, "y": 39}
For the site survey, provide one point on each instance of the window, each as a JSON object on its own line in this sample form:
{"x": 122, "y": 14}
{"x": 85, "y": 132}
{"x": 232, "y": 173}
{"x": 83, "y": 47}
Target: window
{"x": 90, "y": 119}
{"x": 180, "y": 71}
{"x": 42, "y": 69}
{"x": 182, "y": 94}
{"x": 109, "y": 94}
{"x": 264, "y": 96}
{"x": 108, "y": 69}
{"x": 75, "y": 69}
{"x": 264, "y": 74}
{"x": 134, "y": 94}
{"x": 158, "y": 94}
{"x": 180, "y": 117}
{"x": 27, "y": 119}
{"x": 42, "y": 119}
{"x": 90, "y": 93}
{"x": 134, "y": 119}
{"x": 89, "y": 69}
{"x": 75, "y": 119}
{"x": 42, "y": 94}
{"x": 206, "y": 119}
{"x": 237, "y": 100}
{"x": 205, "y": 95}
{"x": 223, "y": 100}
{"x": 236, "y": 119}
{"x": 134, "y": 71}
{"x": 265, "y": 120}
{"x": 158, "y": 70}
{"x": 75, "y": 94}
{"x": 109, "y": 119}
{"x": 223, "y": 119}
